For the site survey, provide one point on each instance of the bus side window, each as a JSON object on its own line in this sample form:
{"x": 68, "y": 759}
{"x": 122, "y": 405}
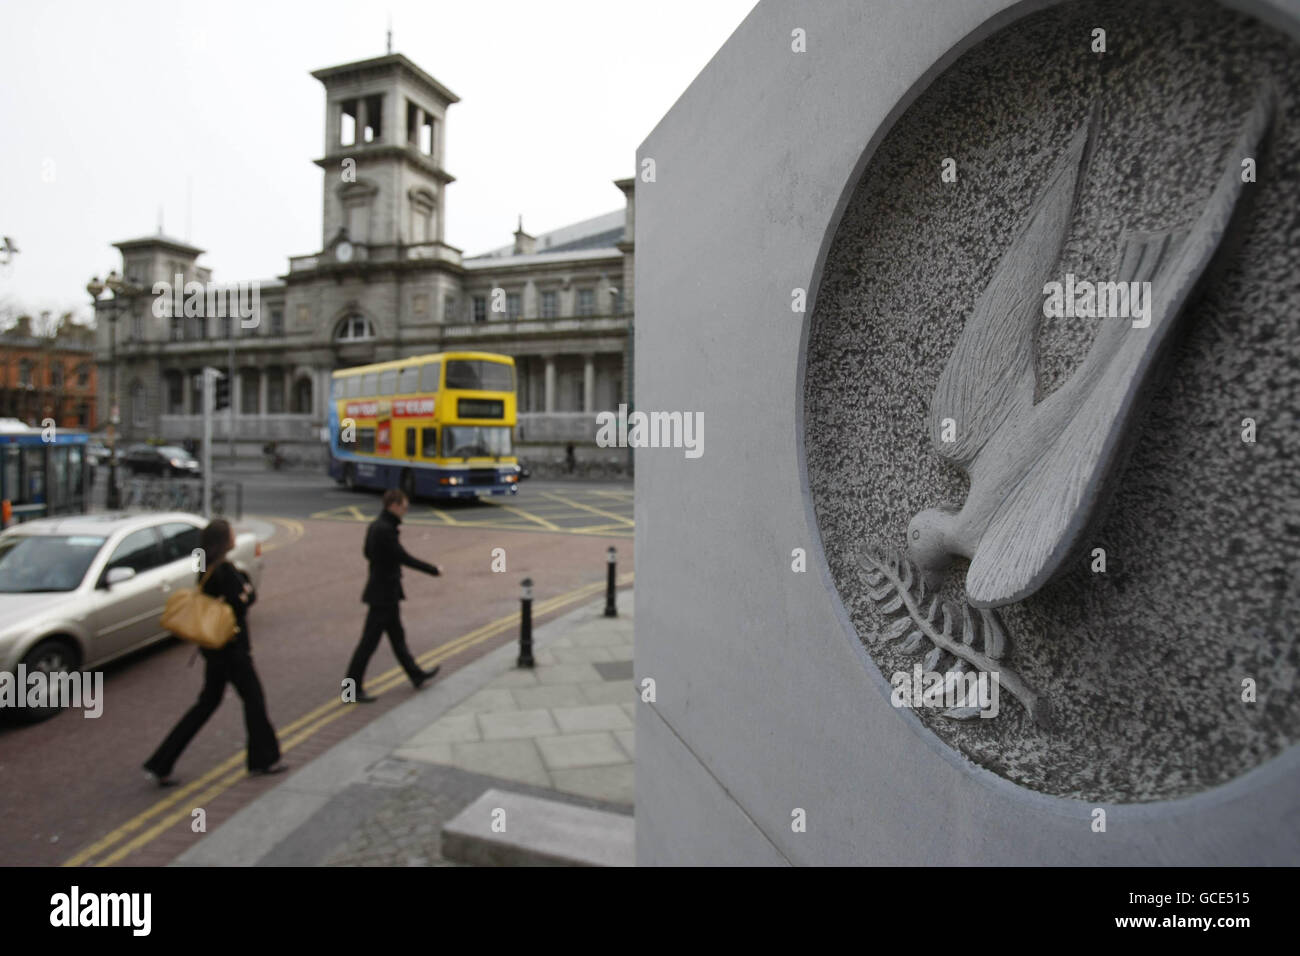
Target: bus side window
{"x": 430, "y": 442}
{"x": 410, "y": 443}
{"x": 429, "y": 376}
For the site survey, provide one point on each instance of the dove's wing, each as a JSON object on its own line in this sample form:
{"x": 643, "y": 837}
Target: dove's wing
{"x": 1083, "y": 424}
{"x": 990, "y": 376}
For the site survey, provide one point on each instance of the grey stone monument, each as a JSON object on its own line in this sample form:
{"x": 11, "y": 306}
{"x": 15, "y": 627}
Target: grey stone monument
{"x": 993, "y": 554}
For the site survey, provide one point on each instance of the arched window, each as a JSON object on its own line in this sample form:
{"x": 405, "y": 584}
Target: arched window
{"x": 355, "y": 328}
{"x": 302, "y": 390}
{"x": 249, "y": 391}
{"x": 139, "y": 406}
{"x": 174, "y": 391}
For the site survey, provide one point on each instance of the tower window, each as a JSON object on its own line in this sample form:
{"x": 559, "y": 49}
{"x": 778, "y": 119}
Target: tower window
{"x": 374, "y": 119}
{"x": 348, "y": 123}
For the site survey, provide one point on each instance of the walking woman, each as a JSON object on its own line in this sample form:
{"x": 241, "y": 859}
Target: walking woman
{"x": 232, "y": 663}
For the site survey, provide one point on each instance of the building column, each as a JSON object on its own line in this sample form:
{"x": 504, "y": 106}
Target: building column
{"x": 589, "y": 383}
{"x": 261, "y": 391}
{"x": 550, "y": 383}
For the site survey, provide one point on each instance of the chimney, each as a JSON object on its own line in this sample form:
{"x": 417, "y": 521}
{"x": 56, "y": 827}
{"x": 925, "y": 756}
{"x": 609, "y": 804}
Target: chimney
{"x": 525, "y": 244}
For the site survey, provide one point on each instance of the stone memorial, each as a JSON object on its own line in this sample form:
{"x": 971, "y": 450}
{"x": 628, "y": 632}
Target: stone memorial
{"x": 993, "y": 555}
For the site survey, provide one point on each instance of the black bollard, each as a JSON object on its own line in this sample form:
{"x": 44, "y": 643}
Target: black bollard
{"x": 526, "y": 625}
{"x": 611, "y": 609}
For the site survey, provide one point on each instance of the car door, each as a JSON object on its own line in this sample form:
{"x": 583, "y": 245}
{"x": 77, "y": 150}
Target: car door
{"x": 179, "y": 541}
{"x": 126, "y": 614}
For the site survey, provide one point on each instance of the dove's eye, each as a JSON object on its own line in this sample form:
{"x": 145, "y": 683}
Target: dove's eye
{"x": 916, "y": 534}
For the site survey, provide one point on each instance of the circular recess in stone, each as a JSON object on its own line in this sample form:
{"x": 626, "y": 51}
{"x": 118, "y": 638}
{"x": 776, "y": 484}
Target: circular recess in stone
{"x": 1143, "y": 667}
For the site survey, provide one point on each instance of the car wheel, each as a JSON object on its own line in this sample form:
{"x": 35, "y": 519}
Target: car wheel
{"x": 52, "y": 656}
{"x": 407, "y": 484}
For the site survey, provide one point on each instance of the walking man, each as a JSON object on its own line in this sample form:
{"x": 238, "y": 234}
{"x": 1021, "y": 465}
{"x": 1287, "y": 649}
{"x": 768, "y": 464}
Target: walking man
{"x": 383, "y": 590}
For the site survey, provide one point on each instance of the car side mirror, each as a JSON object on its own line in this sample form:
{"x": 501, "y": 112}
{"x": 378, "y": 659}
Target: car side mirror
{"x": 118, "y": 575}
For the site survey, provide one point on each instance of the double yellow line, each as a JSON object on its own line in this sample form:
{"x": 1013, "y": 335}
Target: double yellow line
{"x": 171, "y": 810}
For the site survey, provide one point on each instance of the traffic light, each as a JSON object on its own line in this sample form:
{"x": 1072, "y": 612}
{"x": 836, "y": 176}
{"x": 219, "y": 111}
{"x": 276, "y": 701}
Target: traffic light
{"x": 221, "y": 392}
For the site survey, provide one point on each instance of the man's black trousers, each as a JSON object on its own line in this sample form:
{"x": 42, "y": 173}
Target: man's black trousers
{"x": 381, "y": 619}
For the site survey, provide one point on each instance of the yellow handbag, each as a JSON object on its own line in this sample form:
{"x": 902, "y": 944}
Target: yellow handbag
{"x": 200, "y": 618}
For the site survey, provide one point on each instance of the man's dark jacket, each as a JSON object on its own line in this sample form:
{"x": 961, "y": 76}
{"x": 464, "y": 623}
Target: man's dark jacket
{"x": 386, "y": 556}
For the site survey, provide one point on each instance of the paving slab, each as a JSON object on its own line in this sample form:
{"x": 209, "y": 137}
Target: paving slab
{"x": 509, "y": 759}
{"x": 616, "y": 783}
{"x": 580, "y": 750}
{"x": 611, "y": 692}
{"x": 549, "y": 695}
{"x": 575, "y": 720}
{"x": 512, "y": 724}
{"x": 537, "y": 832}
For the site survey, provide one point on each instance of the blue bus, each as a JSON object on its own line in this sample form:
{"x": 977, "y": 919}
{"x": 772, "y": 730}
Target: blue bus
{"x": 42, "y": 472}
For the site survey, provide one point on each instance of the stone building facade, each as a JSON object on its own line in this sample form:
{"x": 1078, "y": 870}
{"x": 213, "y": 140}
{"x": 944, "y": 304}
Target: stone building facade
{"x": 385, "y": 284}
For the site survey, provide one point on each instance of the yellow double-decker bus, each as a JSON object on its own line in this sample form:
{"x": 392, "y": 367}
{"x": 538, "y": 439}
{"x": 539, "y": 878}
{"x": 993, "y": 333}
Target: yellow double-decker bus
{"x": 436, "y": 426}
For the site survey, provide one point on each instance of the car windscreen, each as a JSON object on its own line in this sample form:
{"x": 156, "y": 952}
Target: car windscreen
{"x": 45, "y": 562}
{"x": 171, "y": 451}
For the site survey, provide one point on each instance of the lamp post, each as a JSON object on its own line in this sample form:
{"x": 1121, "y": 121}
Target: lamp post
{"x": 121, "y": 290}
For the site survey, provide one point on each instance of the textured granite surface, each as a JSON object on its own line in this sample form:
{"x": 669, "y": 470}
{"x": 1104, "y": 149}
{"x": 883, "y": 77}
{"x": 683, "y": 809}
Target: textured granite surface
{"x": 1143, "y": 665}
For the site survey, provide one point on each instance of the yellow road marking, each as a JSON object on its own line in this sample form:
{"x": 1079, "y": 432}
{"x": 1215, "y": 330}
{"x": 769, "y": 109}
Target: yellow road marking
{"x": 295, "y": 529}
{"x": 596, "y": 511}
{"x": 301, "y": 729}
{"x": 446, "y": 518}
{"x": 531, "y": 517}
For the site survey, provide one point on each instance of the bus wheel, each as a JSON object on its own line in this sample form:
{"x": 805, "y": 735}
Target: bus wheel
{"x": 349, "y": 478}
{"x": 407, "y": 484}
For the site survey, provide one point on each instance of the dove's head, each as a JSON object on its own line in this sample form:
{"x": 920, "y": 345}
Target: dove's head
{"x": 928, "y": 543}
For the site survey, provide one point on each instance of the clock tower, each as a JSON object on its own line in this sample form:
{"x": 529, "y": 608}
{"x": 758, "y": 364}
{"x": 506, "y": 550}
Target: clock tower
{"x": 385, "y": 122}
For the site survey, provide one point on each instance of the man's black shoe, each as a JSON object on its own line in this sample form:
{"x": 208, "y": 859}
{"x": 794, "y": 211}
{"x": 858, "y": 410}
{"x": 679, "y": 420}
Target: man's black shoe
{"x": 427, "y": 676}
{"x": 364, "y": 698}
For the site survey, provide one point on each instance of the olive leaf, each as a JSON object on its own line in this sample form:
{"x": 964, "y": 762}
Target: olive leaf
{"x": 894, "y": 585}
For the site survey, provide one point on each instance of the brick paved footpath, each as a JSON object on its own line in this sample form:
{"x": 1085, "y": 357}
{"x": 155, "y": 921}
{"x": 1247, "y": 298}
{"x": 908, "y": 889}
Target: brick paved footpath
{"x": 380, "y": 798}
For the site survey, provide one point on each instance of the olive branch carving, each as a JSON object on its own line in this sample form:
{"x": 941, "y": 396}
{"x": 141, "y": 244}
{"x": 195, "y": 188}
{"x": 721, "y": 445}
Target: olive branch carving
{"x": 894, "y": 585}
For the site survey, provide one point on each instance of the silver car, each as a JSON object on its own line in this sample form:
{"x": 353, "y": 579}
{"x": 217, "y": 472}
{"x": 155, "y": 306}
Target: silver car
{"x": 79, "y": 591}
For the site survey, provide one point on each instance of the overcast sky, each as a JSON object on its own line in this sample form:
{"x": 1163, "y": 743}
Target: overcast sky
{"x": 113, "y": 110}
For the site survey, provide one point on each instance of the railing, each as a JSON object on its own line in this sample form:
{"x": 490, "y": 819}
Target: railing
{"x": 181, "y": 494}
{"x": 556, "y": 427}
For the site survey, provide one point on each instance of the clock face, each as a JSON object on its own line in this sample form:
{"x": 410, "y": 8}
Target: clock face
{"x": 343, "y": 251}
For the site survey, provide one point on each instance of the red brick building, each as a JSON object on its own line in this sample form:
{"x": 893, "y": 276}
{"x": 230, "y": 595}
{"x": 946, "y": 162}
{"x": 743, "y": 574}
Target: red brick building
{"x": 48, "y": 376}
